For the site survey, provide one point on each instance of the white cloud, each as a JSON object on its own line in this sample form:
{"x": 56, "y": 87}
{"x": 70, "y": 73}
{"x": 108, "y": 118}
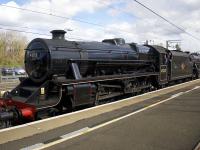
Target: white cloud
{"x": 9, "y": 17}
{"x": 184, "y": 13}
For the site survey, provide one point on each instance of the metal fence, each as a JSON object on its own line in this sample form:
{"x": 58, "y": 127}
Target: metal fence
{"x": 8, "y": 85}
{"x": 9, "y": 82}
{"x": 11, "y": 78}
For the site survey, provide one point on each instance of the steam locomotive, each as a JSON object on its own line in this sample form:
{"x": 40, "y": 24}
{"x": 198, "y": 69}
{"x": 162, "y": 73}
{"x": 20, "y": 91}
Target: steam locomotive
{"x": 63, "y": 75}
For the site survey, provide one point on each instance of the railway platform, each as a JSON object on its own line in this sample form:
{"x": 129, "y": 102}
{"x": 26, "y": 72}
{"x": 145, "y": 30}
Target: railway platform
{"x": 167, "y": 119}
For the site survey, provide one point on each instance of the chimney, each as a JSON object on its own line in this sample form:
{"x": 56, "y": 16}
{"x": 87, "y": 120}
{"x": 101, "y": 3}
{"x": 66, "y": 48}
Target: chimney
{"x": 58, "y": 34}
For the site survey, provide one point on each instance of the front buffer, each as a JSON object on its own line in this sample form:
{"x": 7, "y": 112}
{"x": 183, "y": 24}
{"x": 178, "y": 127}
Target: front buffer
{"x": 13, "y": 112}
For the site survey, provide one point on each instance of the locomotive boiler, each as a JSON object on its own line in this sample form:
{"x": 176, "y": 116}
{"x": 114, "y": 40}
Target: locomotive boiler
{"x": 57, "y": 56}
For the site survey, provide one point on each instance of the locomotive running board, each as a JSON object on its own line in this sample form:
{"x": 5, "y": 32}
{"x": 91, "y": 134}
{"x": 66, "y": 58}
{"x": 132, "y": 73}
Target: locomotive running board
{"x": 63, "y": 81}
{"x": 111, "y": 62}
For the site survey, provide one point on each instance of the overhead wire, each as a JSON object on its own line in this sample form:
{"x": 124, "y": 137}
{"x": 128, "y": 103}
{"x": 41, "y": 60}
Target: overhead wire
{"x": 101, "y": 26}
{"x": 43, "y": 28}
{"x": 168, "y": 21}
{"x": 16, "y": 30}
{"x": 151, "y": 10}
{"x": 17, "y": 26}
{"x": 37, "y": 33}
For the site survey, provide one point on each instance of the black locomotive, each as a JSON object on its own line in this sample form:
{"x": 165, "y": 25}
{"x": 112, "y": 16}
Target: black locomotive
{"x": 65, "y": 74}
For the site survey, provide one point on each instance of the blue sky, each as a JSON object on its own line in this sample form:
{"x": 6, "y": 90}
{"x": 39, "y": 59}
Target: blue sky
{"x": 102, "y": 17}
{"x": 17, "y": 1}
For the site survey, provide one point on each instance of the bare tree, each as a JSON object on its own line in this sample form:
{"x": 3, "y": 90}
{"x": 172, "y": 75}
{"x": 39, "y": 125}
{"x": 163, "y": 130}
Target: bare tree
{"x": 12, "y": 45}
